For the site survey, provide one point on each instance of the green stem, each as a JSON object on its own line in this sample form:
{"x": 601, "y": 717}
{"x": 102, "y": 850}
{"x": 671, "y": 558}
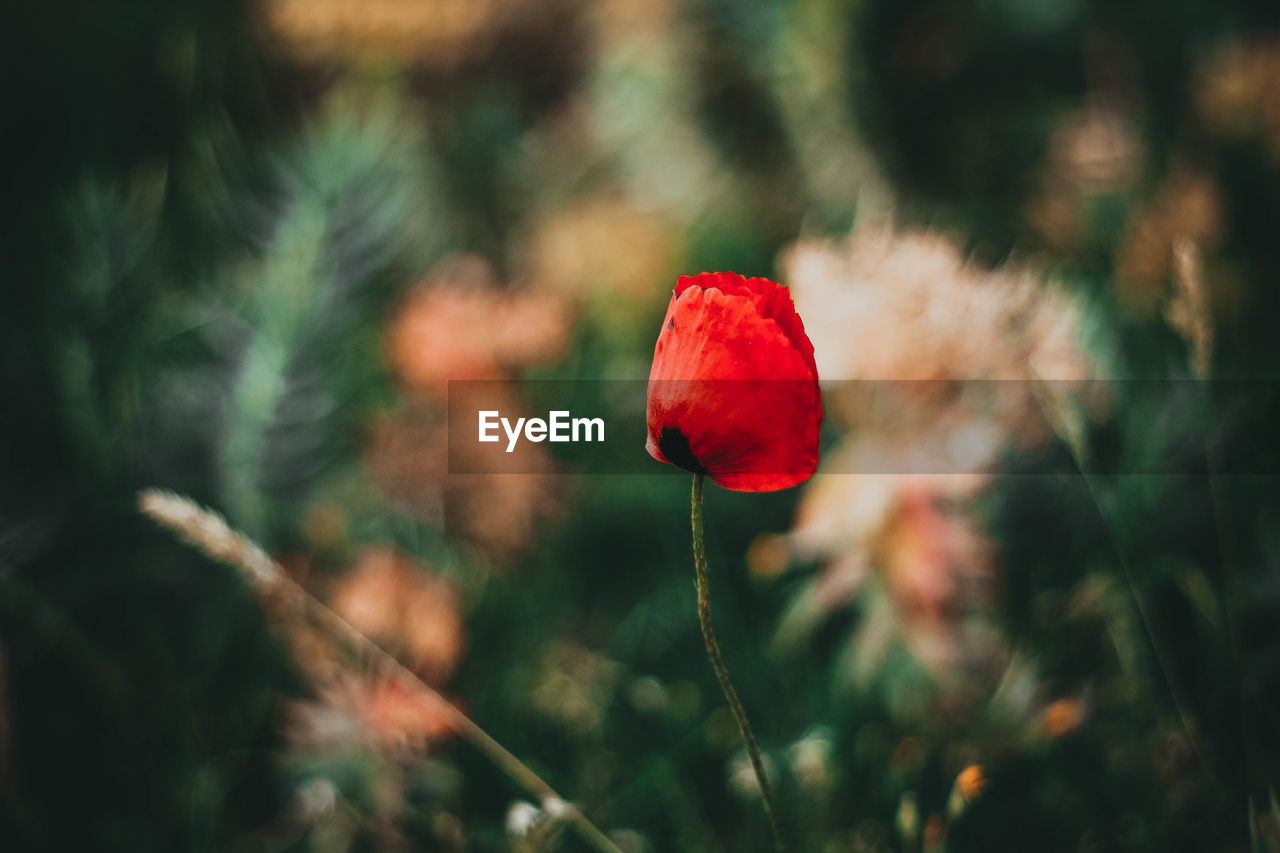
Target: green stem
{"x": 722, "y": 673}
{"x": 208, "y": 532}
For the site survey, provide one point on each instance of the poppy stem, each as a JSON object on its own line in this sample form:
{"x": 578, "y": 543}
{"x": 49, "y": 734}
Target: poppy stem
{"x": 722, "y": 673}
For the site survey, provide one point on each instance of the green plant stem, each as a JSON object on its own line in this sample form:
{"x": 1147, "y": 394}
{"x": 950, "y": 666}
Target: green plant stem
{"x": 1075, "y": 442}
{"x": 209, "y": 532}
{"x": 717, "y": 662}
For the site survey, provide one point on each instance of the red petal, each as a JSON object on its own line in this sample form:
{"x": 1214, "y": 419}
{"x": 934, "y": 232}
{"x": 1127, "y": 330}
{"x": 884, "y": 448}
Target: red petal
{"x": 772, "y": 299}
{"x": 733, "y": 390}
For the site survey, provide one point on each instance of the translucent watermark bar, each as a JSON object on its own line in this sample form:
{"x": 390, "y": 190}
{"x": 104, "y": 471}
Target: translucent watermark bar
{"x": 925, "y": 427}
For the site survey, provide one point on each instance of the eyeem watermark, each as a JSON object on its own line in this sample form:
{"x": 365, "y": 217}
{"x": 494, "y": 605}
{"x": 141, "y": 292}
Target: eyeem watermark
{"x": 558, "y": 439}
{"x": 559, "y": 426}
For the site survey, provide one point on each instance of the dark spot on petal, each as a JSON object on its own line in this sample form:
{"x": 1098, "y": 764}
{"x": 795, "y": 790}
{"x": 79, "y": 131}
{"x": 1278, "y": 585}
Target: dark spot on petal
{"x": 675, "y": 447}
{"x": 671, "y": 324}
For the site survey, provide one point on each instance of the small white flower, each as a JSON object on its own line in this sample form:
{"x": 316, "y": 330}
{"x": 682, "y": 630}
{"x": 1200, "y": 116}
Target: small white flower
{"x": 522, "y": 817}
{"x": 557, "y": 807}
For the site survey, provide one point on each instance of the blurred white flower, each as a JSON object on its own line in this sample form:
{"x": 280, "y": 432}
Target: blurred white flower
{"x": 932, "y": 366}
{"x": 522, "y": 817}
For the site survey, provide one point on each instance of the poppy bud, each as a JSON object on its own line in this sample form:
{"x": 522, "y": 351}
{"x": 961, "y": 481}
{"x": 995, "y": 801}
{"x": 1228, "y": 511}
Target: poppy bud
{"x": 733, "y": 392}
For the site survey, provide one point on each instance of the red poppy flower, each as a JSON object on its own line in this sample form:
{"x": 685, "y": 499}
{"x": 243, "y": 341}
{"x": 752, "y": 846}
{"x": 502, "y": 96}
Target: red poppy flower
{"x": 733, "y": 392}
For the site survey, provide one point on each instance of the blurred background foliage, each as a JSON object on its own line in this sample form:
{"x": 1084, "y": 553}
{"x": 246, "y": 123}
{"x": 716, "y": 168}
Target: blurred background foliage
{"x": 248, "y": 243}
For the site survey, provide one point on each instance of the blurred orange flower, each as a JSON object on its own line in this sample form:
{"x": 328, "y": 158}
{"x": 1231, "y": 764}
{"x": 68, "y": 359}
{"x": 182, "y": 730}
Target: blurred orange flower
{"x": 402, "y": 606}
{"x": 412, "y": 614}
{"x": 439, "y": 34}
{"x": 459, "y": 324}
{"x": 1062, "y": 717}
{"x": 386, "y": 714}
{"x": 970, "y": 783}
{"x": 399, "y": 715}
{"x": 408, "y": 455}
